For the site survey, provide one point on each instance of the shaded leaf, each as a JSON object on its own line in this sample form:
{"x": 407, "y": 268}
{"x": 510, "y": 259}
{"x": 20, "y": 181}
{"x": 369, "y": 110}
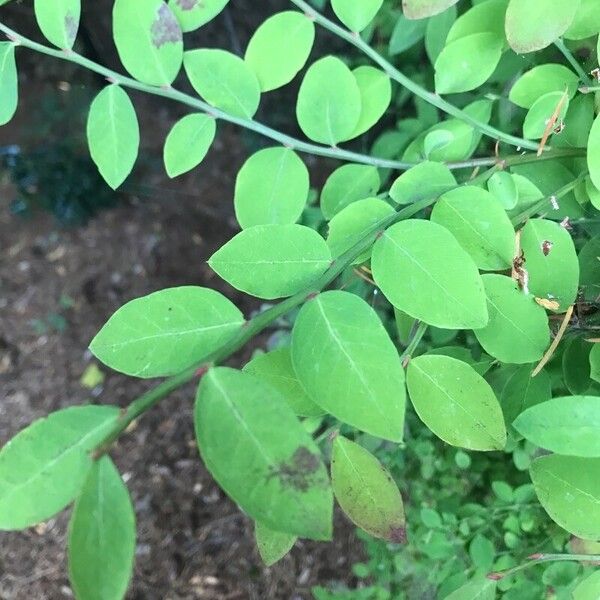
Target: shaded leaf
{"x": 425, "y": 180}
{"x": 272, "y": 545}
{"x": 259, "y": 453}
{"x": 419, "y": 9}
{"x": 9, "y": 88}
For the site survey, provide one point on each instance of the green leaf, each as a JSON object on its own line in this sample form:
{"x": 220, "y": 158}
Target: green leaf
{"x": 522, "y": 391}
{"x": 440, "y": 284}
{"x": 351, "y": 224}
{"x": 478, "y": 221}
{"x": 576, "y": 366}
{"x": 224, "y": 80}
{"x": 356, "y": 14}
{"x": 589, "y": 588}
{"x": 467, "y": 63}
{"x": 113, "y": 134}
{"x": 406, "y": 34}
{"x": 518, "y": 330}
{"x": 456, "y": 403}
{"x": 437, "y": 31}
{"x": 347, "y": 363}
{"x": 535, "y": 24}
{"x": 149, "y": 40}
{"x": 593, "y": 153}
{"x": 279, "y": 48}
{"x": 45, "y": 465}
{"x": 419, "y": 9}
{"x": 259, "y": 453}
{"x": 551, "y": 261}
{"x": 484, "y": 17}
{"x": 502, "y": 185}
{"x": 540, "y": 114}
{"x": 482, "y": 364}
{"x": 192, "y": 14}
{"x": 569, "y": 426}
{"x": 568, "y": 488}
{"x": 9, "y": 86}
{"x": 482, "y": 552}
{"x": 376, "y": 94}
{"x": 541, "y": 80}
{"x": 272, "y": 545}
{"x": 166, "y": 332}
{"x": 595, "y": 362}
{"x": 348, "y": 184}
{"x": 59, "y": 21}
{"x": 366, "y": 491}
{"x": 271, "y": 188}
{"x": 477, "y": 589}
{"x": 188, "y": 143}
{"x": 272, "y": 261}
{"x": 101, "y": 546}
{"x": 425, "y": 180}
{"x": 586, "y": 22}
{"x": 276, "y": 369}
{"x": 329, "y": 102}
{"x": 589, "y": 265}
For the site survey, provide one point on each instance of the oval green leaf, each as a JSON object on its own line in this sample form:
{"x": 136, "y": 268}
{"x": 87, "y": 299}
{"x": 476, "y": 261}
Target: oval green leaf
{"x": 329, "y": 102}
{"x": 456, "y": 403}
{"x": 113, "y": 135}
{"x": 522, "y": 391}
{"x": 347, "y": 363}
{"x": 348, "y": 184}
{"x": 350, "y": 225}
{"x": 276, "y": 369}
{"x": 568, "y": 426}
{"x": 551, "y": 261}
{"x": 480, "y": 588}
{"x": 279, "y": 48}
{"x": 568, "y": 487}
{"x": 586, "y": 22}
{"x": 478, "y": 221}
{"x": 192, "y": 14}
{"x": 356, "y": 14}
{"x": 366, "y": 491}
{"x": 9, "y": 85}
{"x": 149, "y": 40}
{"x": 43, "y": 468}
{"x": 101, "y": 544}
{"x": 467, "y": 63}
{"x": 376, "y": 95}
{"x": 224, "y": 80}
{"x": 423, "y": 271}
{"x": 593, "y": 153}
{"x": 188, "y": 143}
{"x": 483, "y": 17}
{"x": 272, "y": 545}
{"x": 166, "y": 332}
{"x": 518, "y": 330}
{"x": 271, "y": 188}
{"x": 259, "y": 453}
{"x": 534, "y": 24}
{"x": 425, "y": 180}
{"x": 59, "y": 21}
{"x": 541, "y": 80}
{"x": 541, "y": 113}
{"x": 272, "y": 261}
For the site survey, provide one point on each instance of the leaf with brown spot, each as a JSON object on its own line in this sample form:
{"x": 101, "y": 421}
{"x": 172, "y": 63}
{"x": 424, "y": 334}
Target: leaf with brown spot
{"x": 149, "y": 40}
{"x": 366, "y": 491}
{"x": 59, "y": 21}
{"x": 192, "y": 14}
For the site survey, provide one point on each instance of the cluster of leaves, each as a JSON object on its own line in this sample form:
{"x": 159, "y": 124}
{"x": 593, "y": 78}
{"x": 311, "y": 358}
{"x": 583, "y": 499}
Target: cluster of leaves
{"x": 492, "y": 270}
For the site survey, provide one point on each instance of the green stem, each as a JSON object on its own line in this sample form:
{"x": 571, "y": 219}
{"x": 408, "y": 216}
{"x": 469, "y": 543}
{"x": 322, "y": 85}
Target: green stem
{"x": 403, "y": 80}
{"x": 583, "y": 76}
{"x": 255, "y": 326}
{"x": 286, "y": 140}
{"x": 414, "y": 343}
{"x": 537, "y": 559}
{"x": 587, "y": 89}
{"x": 173, "y": 94}
{"x": 544, "y": 202}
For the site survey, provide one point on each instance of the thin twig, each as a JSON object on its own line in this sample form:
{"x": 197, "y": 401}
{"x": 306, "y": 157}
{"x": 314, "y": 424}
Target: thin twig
{"x": 555, "y": 342}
